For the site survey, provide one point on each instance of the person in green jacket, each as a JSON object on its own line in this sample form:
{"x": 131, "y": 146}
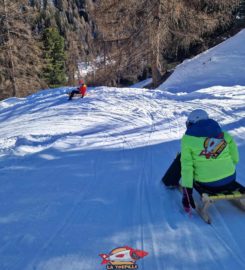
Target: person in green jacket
{"x": 208, "y": 157}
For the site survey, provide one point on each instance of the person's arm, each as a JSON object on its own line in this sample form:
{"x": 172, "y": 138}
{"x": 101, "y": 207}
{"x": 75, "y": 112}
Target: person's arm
{"x": 232, "y": 148}
{"x": 186, "y": 164}
{"x": 187, "y": 175}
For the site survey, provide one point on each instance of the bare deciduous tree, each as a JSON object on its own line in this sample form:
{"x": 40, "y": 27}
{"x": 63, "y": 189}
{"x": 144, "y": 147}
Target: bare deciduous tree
{"x": 147, "y": 32}
{"x": 19, "y": 51}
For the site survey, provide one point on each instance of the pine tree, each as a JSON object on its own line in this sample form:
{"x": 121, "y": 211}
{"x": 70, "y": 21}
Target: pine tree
{"x": 54, "y": 47}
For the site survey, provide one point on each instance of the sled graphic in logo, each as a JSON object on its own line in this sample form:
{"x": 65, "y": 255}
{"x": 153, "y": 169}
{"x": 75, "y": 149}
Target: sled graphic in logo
{"x": 213, "y": 147}
{"x": 123, "y": 258}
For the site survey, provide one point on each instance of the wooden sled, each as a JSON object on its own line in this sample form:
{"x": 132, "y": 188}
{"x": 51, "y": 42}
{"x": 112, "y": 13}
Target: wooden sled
{"x": 77, "y": 95}
{"x": 237, "y": 197}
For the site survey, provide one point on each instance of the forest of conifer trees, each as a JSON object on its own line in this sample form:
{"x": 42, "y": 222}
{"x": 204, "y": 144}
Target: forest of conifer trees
{"x": 43, "y": 42}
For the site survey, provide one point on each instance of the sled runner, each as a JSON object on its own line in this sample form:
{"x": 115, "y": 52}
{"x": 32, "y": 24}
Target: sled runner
{"x": 77, "y": 95}
{"x": 237, "y": 197}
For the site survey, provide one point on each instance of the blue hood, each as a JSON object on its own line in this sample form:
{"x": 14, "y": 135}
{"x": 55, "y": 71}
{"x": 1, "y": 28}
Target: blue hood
{"x": 204, "y": 128}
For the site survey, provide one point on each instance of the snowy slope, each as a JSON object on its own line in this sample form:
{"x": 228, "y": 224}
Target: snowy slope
{"x": 222, "y": 65}
{"x": 80, "y": 178}
{"x": 142, "y": 84}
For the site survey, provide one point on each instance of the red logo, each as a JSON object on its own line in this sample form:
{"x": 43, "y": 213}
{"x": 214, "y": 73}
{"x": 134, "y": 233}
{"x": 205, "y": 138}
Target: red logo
{"x": 213, "y": 147}
{"x": 123, "y": 258}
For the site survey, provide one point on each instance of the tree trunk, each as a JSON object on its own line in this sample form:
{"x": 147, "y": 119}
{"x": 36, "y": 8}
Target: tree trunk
{"x": 9, "y": 52}
{"x": 156, "y": 73}
{"x": 155, "y": 46}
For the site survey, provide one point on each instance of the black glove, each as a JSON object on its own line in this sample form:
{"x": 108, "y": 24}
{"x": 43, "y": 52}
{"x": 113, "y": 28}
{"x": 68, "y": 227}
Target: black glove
{"x": 187, "y": 199}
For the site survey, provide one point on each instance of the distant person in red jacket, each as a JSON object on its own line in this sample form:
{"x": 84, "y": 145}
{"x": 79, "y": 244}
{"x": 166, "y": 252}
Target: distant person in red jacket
{"x": 81, "y": 89}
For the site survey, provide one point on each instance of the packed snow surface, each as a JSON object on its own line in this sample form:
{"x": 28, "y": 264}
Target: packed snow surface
{"x": 80, "y": 178}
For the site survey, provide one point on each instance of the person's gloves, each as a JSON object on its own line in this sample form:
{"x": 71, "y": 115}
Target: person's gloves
{"x": 187, "y": 199}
